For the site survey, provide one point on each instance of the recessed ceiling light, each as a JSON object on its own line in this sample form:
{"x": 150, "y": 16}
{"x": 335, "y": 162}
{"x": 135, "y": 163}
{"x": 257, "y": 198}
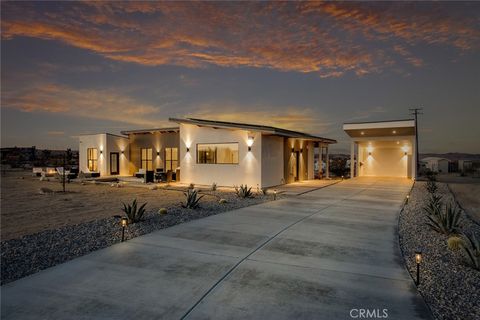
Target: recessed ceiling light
{"x": 394, "y": 131}
{"x": 362, "y": 133}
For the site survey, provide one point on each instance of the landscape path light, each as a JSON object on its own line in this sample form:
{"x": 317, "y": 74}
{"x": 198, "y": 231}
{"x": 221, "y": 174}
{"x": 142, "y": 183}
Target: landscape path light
{"x": 275, "y": 194}
{"x": 418, "y": 260}
{"x": 408, "y": 197}
{"x": 124, "y": 223}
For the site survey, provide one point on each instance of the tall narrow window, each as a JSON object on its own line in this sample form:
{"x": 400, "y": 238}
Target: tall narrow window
{"x": 217, "y": 153}
{"x": 146, "y": 158}
{"x": 171, "y": 159}
{"x": 92, "y": 159}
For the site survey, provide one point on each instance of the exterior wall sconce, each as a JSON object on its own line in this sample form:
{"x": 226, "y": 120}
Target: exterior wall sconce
{"x": 101, "y": 151}
{"x": 188, "y": 149}
{"x": 123, "y": 152}
{"x": 158, "y": 153}
{"x": 124, "y": 223}
{"x": 370, "y": 153}
{"x": 418, "y": 260}
{"x": 293, "y": 150}
{"x": 301, "y": 150}
{"x": 405, "y": 153}
{"x": 250, "y": 143}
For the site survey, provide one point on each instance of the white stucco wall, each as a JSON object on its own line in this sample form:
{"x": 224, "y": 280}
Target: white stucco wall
{"x": 105, "y": 144}
{"x": 117, "y": 144}
{"x": 247, "y": 171}
{"x": 272, "y": 161}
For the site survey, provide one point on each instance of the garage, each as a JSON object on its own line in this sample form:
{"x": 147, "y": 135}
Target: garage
{"x": 382, "y": 149}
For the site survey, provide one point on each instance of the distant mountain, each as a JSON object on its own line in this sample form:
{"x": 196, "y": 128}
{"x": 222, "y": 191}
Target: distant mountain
{"x": 452, "y": 156}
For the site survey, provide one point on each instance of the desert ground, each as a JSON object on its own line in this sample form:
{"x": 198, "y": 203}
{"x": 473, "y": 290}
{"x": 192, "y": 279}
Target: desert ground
{"x": 466, "y": 191}
{"x": 25, "y": 210}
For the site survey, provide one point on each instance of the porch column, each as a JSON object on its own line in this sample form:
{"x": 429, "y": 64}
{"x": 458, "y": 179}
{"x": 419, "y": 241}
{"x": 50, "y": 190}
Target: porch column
{"x": 352, "y": 160}
{"x": 327, "y": 163}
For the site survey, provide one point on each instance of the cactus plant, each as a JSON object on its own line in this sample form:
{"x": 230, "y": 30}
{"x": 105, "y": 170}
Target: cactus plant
{"x": 162, "y": 211}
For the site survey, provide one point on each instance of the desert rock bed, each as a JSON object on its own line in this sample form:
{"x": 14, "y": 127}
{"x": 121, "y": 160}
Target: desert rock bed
{"x": 57, "y": 238}
{"x": 449, "y": 286}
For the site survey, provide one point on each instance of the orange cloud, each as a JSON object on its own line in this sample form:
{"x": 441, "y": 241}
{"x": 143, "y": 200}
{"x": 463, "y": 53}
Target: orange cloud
{"x": 95, "y": 104}
{"x": 328, "y": 38}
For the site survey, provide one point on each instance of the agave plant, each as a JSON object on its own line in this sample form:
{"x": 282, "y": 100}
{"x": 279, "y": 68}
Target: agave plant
{"x": 192, "y": 199}
{"x": 434, "y": 205}
{"x": 133, "y": 214}
{"x": 447, "y": 221}
{"x": 431, "y": 186}
{"x": 244, "y": 191}
{"x": 471, "y": 249}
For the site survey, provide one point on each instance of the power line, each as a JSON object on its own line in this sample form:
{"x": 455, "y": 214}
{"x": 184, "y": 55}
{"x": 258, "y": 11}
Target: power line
{"x": 416, "y": 112}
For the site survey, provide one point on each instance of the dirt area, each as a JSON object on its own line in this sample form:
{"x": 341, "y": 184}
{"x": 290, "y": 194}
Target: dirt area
{"x": 466, "y": 191}
{"x": 24, "y": 210}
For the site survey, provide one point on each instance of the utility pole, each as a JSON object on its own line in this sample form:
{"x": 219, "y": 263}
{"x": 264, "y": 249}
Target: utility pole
{"x": 415, "y": 112}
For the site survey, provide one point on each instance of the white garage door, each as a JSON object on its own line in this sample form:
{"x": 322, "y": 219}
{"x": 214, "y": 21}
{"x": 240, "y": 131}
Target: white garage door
{"x": 386, "y": 162}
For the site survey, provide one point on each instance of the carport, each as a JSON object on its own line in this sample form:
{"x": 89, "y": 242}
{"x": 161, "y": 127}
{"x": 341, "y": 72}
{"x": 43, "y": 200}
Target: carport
{"x": 382, "y": 149}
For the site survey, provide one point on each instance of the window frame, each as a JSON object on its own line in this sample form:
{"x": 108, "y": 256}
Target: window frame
{"x": 218, "y": 143}
{"x": 92, "y": 163}
{"x": 171, "y": 160}
{"x": 147, "y": 161}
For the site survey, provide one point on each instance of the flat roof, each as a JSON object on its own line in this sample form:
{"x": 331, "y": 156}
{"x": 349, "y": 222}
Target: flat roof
{"x": 145, "y": 131}
{"x": 405, "y": 127}
{"x": 252, "y": 127}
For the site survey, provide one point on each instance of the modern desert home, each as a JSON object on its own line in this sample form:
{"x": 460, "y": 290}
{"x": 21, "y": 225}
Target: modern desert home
{"x": 206, "y": 151}
{"x": 383, "y": 149}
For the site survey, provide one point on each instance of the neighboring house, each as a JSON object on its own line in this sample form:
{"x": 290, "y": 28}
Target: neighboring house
{"x": 205, "y": 151}
{"x": 436, "y": 164}
{"x": 465, "y": 165}
{"x": 383, "y": 149}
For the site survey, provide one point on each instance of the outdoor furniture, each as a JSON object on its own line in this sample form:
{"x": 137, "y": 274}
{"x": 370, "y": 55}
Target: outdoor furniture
{"x": 149, "y": 176}
{"x": 140, "y": 173}
{"x": 160, "y": 176}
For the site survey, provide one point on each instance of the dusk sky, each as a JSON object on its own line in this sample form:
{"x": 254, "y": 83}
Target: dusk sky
{"x": 70, "y": 68}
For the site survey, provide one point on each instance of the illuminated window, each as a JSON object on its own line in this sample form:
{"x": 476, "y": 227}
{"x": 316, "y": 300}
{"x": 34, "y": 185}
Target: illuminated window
{"x": 92, "y": 159}
{"x": 171, "y": 159}
{"x": 217, "y": 153}
{"x": 146, "y": 156}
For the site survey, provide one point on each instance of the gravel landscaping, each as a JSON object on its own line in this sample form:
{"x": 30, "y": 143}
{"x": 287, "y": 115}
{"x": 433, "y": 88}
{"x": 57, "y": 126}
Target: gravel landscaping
{"x": 31, "y": 253}
{"x": 449, "y": 286}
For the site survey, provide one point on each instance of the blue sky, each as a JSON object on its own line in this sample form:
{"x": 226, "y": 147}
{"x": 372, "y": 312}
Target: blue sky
{"x": 71, "y": 68}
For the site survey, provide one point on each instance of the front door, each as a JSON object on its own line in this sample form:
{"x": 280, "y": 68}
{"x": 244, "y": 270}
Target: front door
{"x": 114, "y": 163}
{"x": 295, "y": 165}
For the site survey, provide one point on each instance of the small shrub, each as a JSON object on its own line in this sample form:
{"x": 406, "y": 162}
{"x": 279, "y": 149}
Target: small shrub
{"x": 192, "y": 199}
{"x": 133, "y": 214}
{"x": 191, "y": 186}
{"x": 162, "y": 211}
{"x": 222, "y": 201}
{"x": 214, "y": 186}
{"x": 447, "y": 221}
{"x": 244, "y": 191}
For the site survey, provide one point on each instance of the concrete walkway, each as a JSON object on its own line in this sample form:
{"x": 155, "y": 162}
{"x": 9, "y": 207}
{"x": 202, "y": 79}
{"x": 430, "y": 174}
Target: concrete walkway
{"x": 315, "y": 256}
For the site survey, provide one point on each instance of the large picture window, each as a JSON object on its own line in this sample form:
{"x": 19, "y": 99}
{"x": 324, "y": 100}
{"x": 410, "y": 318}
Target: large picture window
{"x": 92, "y": 159}
{"x": 146, "y": 158}
{"x": 217, "y": 153}
{"x": 171, "y": 159}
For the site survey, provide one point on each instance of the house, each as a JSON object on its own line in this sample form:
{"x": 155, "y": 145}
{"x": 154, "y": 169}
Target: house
{"x": 382, "y": 148}
{"x": 465, "y": 165}
{"x": 205, "y": 151}
{"x": 436, "y": 164}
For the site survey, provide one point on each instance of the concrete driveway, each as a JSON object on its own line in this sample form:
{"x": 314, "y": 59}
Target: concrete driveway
{"x": 322, "y": 255}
